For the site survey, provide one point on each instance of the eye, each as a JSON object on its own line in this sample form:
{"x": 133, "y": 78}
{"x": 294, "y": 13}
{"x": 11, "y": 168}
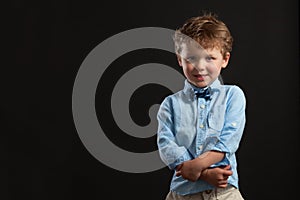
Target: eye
{"x": 209, "y": 58}
{"x": 191, "y": 59}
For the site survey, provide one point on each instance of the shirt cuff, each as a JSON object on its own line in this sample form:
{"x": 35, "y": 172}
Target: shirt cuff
{"x": 221, "y": 148}
{"x": 186, "y": 156}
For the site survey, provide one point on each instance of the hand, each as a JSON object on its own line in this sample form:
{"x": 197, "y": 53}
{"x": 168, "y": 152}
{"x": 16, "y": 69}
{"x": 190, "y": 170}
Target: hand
{"x": 217, "y": 176}
{"x": 189, "y": 170}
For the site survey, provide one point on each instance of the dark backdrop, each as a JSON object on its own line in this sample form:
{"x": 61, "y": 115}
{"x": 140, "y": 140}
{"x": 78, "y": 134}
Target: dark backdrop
{"x": 47, "y": 42}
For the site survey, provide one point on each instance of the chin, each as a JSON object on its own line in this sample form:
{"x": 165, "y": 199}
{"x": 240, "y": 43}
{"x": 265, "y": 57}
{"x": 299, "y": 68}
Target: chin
{"x": 201, "y": 85}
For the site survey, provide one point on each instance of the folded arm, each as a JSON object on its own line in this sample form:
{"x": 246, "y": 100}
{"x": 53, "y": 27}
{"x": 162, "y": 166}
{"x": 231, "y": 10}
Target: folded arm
{"x": 192, "y": 169}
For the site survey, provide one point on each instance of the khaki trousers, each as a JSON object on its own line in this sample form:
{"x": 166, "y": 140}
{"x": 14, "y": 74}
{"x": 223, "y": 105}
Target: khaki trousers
{"x": 229, "y": 193}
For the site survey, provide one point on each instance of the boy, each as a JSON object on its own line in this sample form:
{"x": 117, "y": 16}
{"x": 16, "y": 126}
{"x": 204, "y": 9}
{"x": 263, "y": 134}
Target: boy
{"x": 200, "y": 127}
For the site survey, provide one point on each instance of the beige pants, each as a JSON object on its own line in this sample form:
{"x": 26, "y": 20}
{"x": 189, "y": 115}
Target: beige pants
{"x": 229, "y": 193}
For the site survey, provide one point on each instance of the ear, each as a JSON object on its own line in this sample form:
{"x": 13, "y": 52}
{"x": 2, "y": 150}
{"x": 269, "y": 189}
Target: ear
{"x": 179, "y": 60}
{"x": 225, "y": 60}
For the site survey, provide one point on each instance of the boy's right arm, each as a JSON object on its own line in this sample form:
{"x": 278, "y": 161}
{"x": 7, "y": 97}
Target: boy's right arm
{"x": 170, "y": 152}
{"x": 192, "y": 169}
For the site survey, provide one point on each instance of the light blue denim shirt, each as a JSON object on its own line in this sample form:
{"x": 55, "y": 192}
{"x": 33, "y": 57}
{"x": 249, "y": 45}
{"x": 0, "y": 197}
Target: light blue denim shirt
{"x": 189, "y": 126}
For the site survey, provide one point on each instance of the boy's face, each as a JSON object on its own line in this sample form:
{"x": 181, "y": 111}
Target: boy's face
{"x": 201, "y": 66}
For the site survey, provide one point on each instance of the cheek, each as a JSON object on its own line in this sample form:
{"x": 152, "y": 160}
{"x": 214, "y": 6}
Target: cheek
{"x": 213, "y": 69}
{"x": 187, "y": 66}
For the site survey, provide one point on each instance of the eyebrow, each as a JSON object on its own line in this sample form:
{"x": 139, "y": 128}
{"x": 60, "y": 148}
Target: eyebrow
{"x": 212, "y": 54}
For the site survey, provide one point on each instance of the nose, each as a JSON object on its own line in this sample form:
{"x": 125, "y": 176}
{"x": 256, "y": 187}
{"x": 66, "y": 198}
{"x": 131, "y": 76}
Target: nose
{"x": 200, "y": 65}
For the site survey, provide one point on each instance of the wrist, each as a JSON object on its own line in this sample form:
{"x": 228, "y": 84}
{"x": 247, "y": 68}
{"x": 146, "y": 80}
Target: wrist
{"x": 199, "y": 164}
{"x": 204, "y": 174}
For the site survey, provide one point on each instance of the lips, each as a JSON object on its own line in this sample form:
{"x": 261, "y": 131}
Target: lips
{"x": 199, "y": 77}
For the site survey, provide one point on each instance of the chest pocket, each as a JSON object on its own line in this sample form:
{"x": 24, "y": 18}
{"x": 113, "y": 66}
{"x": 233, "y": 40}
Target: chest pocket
{"x": 215, "y": 120}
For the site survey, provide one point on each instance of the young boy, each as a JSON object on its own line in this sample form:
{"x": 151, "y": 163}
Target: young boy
{"x": 200, "y": 127}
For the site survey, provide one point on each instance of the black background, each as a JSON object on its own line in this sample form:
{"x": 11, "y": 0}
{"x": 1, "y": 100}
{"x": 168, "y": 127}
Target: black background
{"x": 47, "y": 42}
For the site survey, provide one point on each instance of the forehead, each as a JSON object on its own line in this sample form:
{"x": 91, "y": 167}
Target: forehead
{"x": 195, "y": 48}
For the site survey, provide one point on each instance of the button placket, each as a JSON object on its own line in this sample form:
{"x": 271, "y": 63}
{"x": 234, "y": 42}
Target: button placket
{"x": 201, "y": 125}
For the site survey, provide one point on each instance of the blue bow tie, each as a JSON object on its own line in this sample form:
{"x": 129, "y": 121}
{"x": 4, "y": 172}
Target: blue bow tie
{"x": 202, "y": 93}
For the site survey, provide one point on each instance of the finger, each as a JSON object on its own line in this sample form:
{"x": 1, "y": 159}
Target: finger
{"x": 227, "y": 167}
{"x": 179, "y": 167}
{"x": 223, "y": 182}
{"x": 222, "y": 185}
{"x": 178, "y": 173}
{"x": 227, "y": 173}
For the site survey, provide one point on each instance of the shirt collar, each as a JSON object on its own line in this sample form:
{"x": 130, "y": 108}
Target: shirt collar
{"x": 189, "y": 88}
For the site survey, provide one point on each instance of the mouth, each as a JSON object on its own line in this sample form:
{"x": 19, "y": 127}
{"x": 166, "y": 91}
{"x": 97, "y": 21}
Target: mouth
{"x": 199, "y": 77}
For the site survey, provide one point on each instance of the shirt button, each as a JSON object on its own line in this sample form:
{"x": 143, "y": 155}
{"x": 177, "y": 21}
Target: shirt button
{"x": 201, "y": 126}
{"x": 202, "y": 106}
{"x": 200, "y": 147}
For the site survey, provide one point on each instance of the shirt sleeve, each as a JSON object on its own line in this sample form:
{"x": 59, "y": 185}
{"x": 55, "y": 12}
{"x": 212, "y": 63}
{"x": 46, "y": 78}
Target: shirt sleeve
{"x": 234, "y": 123}
{"x": 170, "y": 152}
